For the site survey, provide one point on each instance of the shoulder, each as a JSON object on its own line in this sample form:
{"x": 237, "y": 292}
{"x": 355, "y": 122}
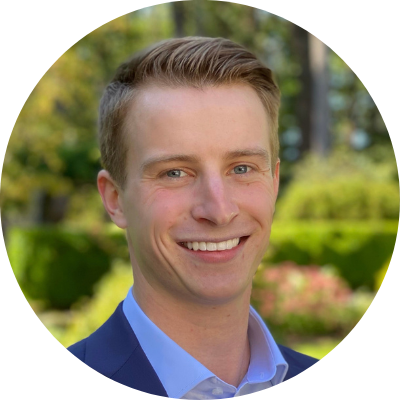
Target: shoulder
{"x": 79, "y": 349}
{"x": 114, "y": 351}
{"x": 298, "y": 362}
{"x": 109, "y": 346}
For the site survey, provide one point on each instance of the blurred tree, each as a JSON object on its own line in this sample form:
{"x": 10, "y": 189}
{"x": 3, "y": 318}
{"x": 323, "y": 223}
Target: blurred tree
{"x": 52, "y": 158}
{"x": 178, "y": 12}
{"x": 311, "y": 104}
{"x": 320, "y": 127}
{"x": 52, "y": 153}
{"x": 304, "y": 98}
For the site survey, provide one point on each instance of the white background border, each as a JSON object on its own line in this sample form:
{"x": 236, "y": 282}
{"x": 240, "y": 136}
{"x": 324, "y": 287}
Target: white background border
{"x": 34, "y": 34}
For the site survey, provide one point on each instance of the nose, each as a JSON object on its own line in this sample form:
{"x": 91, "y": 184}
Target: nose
{"x": 214, "y": 201}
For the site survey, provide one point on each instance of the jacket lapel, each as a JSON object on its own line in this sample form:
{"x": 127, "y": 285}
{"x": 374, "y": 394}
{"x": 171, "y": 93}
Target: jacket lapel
{"x": 297, "y": 362}
{"x": 114, "y": 351}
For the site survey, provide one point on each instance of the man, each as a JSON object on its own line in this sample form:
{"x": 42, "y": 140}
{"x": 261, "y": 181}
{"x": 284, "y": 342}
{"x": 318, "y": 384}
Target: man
{"x": 189, "y": 144}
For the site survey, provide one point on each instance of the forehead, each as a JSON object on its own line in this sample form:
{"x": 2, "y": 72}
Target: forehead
{"x": 208, "y": 122}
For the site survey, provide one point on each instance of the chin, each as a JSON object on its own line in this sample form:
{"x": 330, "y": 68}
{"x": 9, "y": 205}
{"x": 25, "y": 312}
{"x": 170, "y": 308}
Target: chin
{"x": 223, "y": 293}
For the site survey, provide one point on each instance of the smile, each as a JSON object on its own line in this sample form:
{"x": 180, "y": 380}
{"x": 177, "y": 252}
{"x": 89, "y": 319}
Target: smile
{"x": 212, "y": 246}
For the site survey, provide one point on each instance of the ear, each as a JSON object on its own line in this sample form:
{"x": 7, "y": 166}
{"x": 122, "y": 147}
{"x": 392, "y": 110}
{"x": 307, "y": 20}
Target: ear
{"x": 276, "y": 177}
{"x": 111, "y": 195}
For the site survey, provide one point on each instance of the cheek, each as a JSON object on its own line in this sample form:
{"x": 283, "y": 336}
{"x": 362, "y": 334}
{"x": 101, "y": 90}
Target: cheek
{"x": 161, "y": 209}
{"x": 258, "y": 200}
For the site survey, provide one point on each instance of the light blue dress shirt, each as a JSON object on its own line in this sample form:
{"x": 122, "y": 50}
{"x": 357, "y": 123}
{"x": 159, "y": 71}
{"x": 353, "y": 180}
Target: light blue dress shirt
{"x": 184, "y": 377}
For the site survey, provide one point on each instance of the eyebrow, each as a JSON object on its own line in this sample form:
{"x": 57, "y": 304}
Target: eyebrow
{"x": 252, "y": 152}
{"x": 191, "y": 158}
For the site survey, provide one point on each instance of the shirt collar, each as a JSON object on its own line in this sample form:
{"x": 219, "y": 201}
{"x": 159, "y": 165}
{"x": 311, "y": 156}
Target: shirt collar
{"x": 179, "y": 372}
{"x": 266, "y": 362}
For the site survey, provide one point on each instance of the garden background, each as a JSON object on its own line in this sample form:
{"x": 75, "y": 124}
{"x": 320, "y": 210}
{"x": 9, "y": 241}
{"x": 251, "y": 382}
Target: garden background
{"x": 337, "y": 213}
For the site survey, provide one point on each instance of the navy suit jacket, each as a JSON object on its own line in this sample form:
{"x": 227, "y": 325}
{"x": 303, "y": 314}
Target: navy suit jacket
{"x": 114, "y": 351}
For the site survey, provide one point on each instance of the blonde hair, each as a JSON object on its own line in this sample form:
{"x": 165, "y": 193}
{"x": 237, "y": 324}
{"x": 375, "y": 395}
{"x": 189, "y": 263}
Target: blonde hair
{"x": 196, "y": 62}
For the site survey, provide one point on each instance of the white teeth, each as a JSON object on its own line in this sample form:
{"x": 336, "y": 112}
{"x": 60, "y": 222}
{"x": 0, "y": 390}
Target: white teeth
{"x": 212, "y": 246}
{"x": 221, "y": 246}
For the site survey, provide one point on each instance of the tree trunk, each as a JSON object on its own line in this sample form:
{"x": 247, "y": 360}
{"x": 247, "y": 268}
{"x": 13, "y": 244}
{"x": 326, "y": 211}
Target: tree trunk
{"x": 320, "y": 137}
{"x": 303, "y": 101}
{"x": 46, "y": 209}
{"x": 178, "y": 14}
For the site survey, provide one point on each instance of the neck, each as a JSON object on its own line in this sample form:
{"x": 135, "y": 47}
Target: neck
{"x": 214, "y": 334}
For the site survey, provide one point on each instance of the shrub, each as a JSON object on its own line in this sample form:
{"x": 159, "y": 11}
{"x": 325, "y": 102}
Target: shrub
{"x": 307, "y": 301}
{"x": 58, "y": 266}
{"x": 380, "y": 275}
{"x": 90, "y": 314}
{"x": 356, "y": 249}
{"x": 340, "y": 198}
{"x": 345, "y": 186}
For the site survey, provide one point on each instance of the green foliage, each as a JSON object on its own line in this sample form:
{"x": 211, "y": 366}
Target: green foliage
{"x": 356, "y": 249}
{"x": 90, "y": 314}
{"x": 344, "y": 186}
{"x": 53, "y": 145}
{"x": 317, "y": 348}
{"x": 341, "y": 198}
{"x": 58, "y": 266}
{"x": 380, "y": 275}
{"x": 342, "y": 211}
{"x": 307, "y": 301}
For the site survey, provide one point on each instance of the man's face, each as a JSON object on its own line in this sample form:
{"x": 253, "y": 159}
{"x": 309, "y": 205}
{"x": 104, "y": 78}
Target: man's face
{"x": 199, "y": 180}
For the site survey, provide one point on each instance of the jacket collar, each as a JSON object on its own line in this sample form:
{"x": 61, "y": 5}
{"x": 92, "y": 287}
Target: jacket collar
{"x": 114, "y": 351}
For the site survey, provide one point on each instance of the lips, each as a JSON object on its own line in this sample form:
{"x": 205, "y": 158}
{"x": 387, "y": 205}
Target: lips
{"x": 215, "y": 256}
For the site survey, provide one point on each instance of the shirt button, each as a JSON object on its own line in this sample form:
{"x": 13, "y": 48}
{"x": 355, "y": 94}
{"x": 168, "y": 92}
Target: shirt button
{"x": 217, "y": 391}
{"x": 213, "y": 380}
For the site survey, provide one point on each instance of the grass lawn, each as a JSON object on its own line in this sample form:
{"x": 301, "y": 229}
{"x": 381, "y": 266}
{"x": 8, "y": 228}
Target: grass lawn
{"x": 317, "y": 348}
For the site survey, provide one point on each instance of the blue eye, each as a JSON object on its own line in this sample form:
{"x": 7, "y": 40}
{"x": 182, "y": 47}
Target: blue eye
{"x": 176, "y": 173}
{"x": 241, "y": 169}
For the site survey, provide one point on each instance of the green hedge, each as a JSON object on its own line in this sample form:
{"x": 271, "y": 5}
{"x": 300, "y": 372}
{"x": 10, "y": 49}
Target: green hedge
{"x": 90, "y": 314}
{"x": 356, "y": 249}
{"x": 59, "y": 266}
{"x": 344, "y": 186}
{"x": 343, "y": 198}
